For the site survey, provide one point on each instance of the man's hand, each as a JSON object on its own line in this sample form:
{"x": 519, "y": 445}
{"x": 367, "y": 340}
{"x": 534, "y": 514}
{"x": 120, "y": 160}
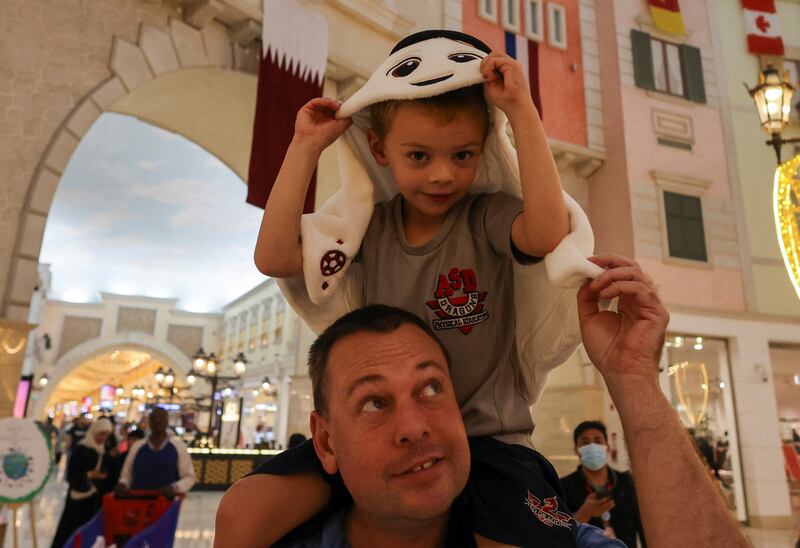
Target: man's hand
{"x": 96, "y": 475}
{"x": 506, "y": 84}
{"x": 593, "y": 507}
{"x": 316, "y": 125}
{"x": 168, "y": 491}
{"x": 627, "y": 342}
{"x": 121, "y": 490}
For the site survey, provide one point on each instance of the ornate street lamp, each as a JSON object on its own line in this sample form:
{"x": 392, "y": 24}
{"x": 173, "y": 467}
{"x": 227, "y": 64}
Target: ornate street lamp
{"x": 206, "y": 367}
{"x": 773, "y": 96}
{"x": 43, "y": 380}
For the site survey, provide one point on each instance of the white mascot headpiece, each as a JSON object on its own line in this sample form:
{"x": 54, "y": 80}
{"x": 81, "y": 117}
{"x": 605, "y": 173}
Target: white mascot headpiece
{"x": 422, "y": 65}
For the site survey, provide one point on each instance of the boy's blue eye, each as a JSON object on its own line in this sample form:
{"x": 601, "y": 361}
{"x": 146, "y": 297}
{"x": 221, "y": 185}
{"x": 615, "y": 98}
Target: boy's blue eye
{"x": 405, "y": 67}
{"x": 463, "y": 57}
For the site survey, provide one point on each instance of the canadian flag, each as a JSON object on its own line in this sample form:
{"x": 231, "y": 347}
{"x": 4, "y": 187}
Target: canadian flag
{"x": 763, "y": 27}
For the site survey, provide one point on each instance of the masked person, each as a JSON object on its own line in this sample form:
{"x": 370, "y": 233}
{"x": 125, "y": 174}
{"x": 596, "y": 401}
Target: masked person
{"x": 598, "y": 494}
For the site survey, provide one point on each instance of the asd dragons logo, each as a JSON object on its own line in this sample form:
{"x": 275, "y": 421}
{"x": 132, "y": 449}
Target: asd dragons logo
{"x": 458, "y": 302}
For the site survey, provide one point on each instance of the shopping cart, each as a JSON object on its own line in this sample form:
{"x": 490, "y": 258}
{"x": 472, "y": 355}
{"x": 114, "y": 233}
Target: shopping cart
{"x": 137, "y": 520}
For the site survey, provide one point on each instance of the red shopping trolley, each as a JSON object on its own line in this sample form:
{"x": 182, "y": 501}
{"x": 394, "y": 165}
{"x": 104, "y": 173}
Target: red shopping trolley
{"x": 139, "y": 518}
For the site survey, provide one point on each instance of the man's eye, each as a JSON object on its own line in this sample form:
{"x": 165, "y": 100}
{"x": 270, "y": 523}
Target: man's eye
{"x": 404, "y": 67}
{"x": 417, "y": 156}
{"x": 372, "y": 405}
{"x": 463, "y": 57}
{"x": 432, "y": 388}
{"x": 463, "y": 155}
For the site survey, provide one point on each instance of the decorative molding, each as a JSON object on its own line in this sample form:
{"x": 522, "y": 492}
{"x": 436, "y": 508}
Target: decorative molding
{"x": 673, "y": 126}
{"x": 685, "y": 184}
{"x": 375, "y": 15}
{"x": 585, "y": 161}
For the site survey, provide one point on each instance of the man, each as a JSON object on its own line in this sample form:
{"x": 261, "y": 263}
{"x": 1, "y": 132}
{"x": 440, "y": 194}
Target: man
{"x": 598, "y": 494}
{"x": 625, "y": 346}
{"x": 158, "y": 462}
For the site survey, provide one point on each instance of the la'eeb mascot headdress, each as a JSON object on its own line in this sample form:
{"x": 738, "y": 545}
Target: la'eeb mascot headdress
{"x": 422, "y": 65}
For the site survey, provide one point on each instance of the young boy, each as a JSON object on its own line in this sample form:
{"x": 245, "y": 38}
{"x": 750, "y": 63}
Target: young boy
{"x": 447, "y": 255}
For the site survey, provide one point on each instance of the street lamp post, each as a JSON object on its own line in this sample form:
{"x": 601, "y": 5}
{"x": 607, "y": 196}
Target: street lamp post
{"x": 773, "y": 96}
{"x": 207, "y": 367}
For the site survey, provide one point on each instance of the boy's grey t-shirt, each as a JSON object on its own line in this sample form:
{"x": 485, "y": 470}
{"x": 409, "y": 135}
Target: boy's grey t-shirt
{"x": 462, "y": 284}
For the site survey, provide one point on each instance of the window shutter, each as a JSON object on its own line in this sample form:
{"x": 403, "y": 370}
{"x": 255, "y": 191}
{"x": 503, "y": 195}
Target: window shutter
{"x": 642, "y": 60}
{"x": 685, "y": 234}
{"x": 692, "y": 67}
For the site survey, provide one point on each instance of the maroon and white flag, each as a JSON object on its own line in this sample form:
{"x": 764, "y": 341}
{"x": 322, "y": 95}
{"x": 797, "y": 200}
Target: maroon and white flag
{"x": 294, "y": 56}
{"x": 763, "y": 27}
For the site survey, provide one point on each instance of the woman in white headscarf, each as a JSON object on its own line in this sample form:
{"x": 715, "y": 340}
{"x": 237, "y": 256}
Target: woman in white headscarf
{"x": 87, "y": 466}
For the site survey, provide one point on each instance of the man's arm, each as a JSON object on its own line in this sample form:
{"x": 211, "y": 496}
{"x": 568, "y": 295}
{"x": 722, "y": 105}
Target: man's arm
{"x": 126, "y": 475}
{"x": 544, "y": 220}
{"x": 679, "y": 505}
{"x": 185, "y": 468}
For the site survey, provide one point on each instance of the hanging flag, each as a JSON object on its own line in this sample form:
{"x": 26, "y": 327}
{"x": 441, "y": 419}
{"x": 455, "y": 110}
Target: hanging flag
{"x": 527, "y": 53}
{"x": 292, "y": 70}
{"x": 667, "y": 16}
{"x": 763, "y": 27}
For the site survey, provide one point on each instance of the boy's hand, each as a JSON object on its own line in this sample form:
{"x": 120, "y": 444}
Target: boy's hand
{"x": 316, "y": 124}
{"x": 505, "y": 84}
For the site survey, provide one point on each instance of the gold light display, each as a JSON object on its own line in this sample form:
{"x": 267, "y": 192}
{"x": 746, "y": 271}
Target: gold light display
{"x": 786, "y": 203}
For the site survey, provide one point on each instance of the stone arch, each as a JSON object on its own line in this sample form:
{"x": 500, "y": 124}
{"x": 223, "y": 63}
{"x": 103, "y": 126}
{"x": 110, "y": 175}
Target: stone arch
{"x": 158, "y": 52}
{"x": 170, "y": 354}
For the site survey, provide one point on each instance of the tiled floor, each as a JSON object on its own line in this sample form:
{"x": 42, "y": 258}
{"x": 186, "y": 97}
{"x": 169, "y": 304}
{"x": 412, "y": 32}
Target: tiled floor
{"x": 196, "y": 523}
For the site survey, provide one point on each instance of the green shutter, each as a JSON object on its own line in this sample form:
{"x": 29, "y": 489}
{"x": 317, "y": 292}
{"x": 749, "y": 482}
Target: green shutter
{"x": 685, "y": 234}
{"x": 642, "y": 60}
{"x": 692, "y": 68}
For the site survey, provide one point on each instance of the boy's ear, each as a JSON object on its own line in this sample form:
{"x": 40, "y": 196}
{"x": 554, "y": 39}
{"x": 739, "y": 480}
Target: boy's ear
{"x": 376, "y": 148}
{"x": 323, "y": 444}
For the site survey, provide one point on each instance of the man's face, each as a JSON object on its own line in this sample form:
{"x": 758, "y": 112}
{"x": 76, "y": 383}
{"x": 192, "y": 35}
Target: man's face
{"x": 393, "y": 428}
{"x": 590, "y": 435}
{"x": 158, "y": 421}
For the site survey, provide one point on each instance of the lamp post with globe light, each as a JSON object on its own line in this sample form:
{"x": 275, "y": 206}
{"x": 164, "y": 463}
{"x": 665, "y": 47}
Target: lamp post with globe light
{"x": 206, "y": 366}
{"x": 773, "y": 96}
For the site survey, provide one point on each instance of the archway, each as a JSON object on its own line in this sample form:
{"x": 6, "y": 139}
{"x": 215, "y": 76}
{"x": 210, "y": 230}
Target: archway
{"x": 158, "y": 352}
{"x": 151, "y": 80}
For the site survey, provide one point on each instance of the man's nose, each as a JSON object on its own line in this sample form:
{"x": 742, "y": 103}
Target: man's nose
{"x": 412, "y": 425}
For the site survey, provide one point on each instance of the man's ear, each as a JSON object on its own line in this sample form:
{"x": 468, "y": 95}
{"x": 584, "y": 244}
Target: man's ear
{"x": 376, "y": 148}
{"x": 323, "y": 444}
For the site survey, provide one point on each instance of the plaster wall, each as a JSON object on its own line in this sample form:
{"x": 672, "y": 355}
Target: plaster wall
{"x": 754, "y": 160}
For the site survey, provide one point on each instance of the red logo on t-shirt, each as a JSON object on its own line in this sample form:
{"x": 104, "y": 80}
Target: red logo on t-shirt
{"x": 458, "y": 302}
{"x": 547, "y": 511}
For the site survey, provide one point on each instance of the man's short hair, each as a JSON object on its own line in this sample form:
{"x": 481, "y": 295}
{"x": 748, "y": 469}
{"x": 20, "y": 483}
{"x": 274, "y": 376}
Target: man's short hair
{"x": 445, "y": 107}
{"x": 375, "y": 318}
{"x": 588, "y": 425}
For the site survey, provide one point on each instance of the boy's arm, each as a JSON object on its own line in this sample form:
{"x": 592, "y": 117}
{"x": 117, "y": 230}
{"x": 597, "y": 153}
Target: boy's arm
{"x": 260, "y": 509}
{"x": 544, "y": 220}
{"x": 278, "y": 250}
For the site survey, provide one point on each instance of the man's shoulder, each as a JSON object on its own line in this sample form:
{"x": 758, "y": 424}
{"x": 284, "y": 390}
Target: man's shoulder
{"x": 178, "y": 443}
{"x": 573, "y": 478}
{"x": 329, "y": 535}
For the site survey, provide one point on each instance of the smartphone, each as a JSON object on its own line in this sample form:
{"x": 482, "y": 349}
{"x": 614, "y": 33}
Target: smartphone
{"x": 603, "y": 492}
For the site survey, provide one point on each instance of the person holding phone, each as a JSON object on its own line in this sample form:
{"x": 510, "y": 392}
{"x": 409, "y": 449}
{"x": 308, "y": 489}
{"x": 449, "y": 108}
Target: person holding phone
{"x": 598, "y": 494}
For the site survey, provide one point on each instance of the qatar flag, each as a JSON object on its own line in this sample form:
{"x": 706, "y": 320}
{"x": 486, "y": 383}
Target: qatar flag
{"x": 763, "y": 27}
{"x": 292, "y": 70}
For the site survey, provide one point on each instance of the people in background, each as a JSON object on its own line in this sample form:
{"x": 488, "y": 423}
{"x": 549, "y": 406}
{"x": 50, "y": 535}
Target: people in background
{"x": 158, "y": 462}
{"x": 598, "y": 494}
{"x": 86, "y": 471}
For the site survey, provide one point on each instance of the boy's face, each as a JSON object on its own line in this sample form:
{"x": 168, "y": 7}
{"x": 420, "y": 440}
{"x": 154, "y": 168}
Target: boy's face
{"x": 433, "y": 163}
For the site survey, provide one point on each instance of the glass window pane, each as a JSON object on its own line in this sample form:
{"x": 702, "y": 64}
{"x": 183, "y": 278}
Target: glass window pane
{"x": 533, "y": 6}
{"x": 511, "y": 9}
{"x": 674, "y": 69}
{"x": 793, "y": 68}
{"x": 557, "y": 24}
{"x": 659, "y": 70}
{"x": 698, "y": 381}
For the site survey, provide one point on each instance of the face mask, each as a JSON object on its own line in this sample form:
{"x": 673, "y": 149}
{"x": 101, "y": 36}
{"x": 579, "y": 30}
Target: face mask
{"x": 593, "y": 456}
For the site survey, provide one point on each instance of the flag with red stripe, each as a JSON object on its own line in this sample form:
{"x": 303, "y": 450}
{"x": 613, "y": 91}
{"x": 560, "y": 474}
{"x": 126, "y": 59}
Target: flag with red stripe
{"x": 763, "y": 27}
{"x": 527, "y": 53}
{"x": 294, "y": 57}
{"x": 667, "y": 16}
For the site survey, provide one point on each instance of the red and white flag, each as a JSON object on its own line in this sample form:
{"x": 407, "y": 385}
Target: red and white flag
{"x": 763, "y": 27}
{"x": 292, "y": 70}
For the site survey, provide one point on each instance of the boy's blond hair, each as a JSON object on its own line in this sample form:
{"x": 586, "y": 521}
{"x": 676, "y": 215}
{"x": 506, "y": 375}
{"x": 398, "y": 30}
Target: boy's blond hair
{"x": 445, "y": 108}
